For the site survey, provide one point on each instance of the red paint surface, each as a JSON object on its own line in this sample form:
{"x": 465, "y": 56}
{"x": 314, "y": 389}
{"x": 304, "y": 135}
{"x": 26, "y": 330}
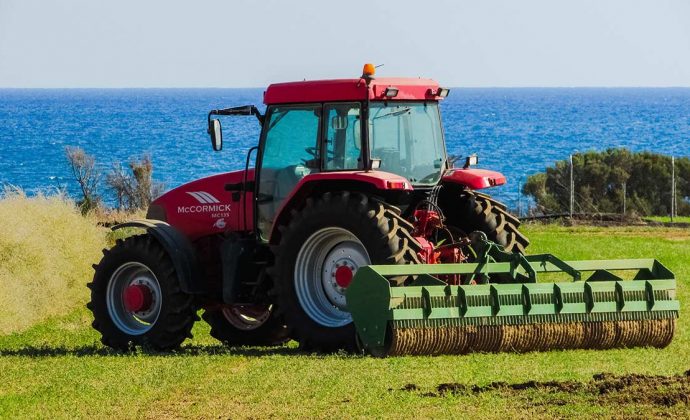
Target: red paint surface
{"x": 425, "y": 222}
{"x": 426, "y": 254}
{"x": 186, "y": 210}
{"x": 203, "y": 207}
{"x": 475, "y": 179}
{"x": 350, "y": 90}
{"x": 378, "y": 179}
{"x": 137, "y": 297}
{"x": 343, "y": 276}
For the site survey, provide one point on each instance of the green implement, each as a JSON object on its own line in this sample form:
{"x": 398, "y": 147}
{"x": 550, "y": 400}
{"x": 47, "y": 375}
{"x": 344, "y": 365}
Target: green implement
{"x": 622, "y": 303}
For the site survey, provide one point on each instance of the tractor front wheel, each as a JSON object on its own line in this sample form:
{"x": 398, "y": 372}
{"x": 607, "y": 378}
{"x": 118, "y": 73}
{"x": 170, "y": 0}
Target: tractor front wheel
{"x": 319, "y": 252}
{"x": 136, "y": 297}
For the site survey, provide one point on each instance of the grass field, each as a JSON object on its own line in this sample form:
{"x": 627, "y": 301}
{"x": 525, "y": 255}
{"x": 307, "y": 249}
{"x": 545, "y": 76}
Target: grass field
{"x": 57, "y": 368}
{"x": 667, "y": 219}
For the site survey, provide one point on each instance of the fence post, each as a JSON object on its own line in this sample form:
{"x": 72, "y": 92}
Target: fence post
{"x": 572, "y": 187}
{"x": 673, "y": 187}
{"x": 519, "y": 206}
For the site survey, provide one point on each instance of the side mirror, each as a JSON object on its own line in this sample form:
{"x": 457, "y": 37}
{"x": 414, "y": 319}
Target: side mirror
{"x": 216, "y": 133}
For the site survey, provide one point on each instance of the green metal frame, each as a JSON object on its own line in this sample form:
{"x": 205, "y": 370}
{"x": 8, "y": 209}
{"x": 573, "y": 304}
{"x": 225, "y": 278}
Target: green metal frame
{"x": 428, "y": 301}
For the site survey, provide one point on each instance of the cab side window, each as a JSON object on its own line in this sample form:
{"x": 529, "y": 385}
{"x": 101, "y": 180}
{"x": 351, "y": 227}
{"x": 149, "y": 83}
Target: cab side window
{"x": 342, "y": 137}
{"x": 290, "y": 153}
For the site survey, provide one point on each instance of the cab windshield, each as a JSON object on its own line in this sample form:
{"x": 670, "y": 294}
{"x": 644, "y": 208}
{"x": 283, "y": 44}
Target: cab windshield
{"x": 407, "y": 138}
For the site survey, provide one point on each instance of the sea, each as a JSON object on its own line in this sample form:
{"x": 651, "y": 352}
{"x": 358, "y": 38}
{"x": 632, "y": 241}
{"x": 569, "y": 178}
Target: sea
{"x": 517, "y": 131}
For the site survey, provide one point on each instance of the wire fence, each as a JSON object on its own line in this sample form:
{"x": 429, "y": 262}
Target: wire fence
{"x": 574, "y": 204}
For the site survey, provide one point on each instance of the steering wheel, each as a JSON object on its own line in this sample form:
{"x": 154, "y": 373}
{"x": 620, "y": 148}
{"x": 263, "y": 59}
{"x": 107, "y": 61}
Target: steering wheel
{"x": 313, "y": 151}
{"x": 428, "y": 178}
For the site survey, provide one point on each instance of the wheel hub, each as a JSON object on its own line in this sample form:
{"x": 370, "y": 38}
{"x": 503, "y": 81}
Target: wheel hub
{"x": 137, "y": 298}
{"x": 343, "y": 276}
{"x": 339, "y": 267}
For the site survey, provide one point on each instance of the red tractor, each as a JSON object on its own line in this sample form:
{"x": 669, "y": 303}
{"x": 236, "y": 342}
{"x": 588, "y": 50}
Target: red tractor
{"x": 348, "y": 173}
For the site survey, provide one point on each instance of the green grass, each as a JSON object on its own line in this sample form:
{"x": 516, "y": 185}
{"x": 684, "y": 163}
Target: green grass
{"x": 667, "y": 219}
{"x": 58, "y": 368}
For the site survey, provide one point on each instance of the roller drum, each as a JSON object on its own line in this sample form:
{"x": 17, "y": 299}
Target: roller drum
{"x": 523, "y": 338}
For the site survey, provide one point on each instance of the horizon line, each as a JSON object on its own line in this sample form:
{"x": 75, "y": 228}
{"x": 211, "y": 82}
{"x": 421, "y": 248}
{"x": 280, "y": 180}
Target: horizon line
{"x": 264, "y": 87}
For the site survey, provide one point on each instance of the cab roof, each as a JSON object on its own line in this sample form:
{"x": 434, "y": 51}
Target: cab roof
{"x": 351, "y": 90}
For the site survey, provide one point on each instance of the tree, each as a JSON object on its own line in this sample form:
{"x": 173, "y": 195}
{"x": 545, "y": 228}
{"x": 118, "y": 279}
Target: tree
{"x": 87, "y": 175}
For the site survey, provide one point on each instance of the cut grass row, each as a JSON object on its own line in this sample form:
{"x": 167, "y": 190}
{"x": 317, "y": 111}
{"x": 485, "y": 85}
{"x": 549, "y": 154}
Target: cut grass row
{"x": 58, "y": 368}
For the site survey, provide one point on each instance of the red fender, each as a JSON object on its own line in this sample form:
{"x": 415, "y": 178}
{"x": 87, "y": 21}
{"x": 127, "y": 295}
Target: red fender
{"x": 475, "y": 179}
{"x": 372, "y": 180}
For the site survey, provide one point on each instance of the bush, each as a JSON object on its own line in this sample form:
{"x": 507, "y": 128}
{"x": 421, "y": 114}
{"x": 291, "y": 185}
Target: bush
{"x": 46, "y": 251}
{"x": 599, "y": 178}
{"x": 135, "y": 191}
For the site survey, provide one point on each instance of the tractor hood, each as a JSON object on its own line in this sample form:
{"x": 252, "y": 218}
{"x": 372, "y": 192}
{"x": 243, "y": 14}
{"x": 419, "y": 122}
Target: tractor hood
{"x": 204, "y": 206}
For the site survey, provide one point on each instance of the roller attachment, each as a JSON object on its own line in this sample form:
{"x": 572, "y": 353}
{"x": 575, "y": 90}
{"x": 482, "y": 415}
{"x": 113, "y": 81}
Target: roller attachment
{"x": 429, "y": 317}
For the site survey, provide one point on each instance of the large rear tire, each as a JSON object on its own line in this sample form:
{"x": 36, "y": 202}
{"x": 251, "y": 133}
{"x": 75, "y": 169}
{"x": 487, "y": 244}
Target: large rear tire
{"x": 136, "y": 297}
{"x": 320, "y": 249}
{"x": 239, "y": 325}
{"x": 471, "y": 211}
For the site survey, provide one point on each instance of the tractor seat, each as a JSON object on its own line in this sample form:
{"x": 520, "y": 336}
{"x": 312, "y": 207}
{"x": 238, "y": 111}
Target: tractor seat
{"x": 286, "y": 179}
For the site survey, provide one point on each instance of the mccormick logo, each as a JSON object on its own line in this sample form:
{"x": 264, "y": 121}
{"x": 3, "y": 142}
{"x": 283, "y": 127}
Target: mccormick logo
{"x": 203, "y": 197}
{"x": 209, "y": 204}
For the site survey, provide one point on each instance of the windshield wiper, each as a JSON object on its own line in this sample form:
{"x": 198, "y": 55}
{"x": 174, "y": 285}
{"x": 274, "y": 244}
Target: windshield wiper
{"x": 395, "y": 113}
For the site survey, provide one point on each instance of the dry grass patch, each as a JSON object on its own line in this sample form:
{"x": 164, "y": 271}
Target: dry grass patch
{"x": 46, "y": 252}
{"x": 110, "y": 217}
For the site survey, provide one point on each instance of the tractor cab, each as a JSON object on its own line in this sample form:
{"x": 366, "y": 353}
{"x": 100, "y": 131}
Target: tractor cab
{"x": 362, "y": 125}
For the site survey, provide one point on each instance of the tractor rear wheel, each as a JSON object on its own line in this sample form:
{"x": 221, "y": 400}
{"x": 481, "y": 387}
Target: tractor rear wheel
{"x": 136, "y": 297}
{"x": 320, "y": 250}
{"x": 242, "y": 325}
{"x": 476, "y": 211}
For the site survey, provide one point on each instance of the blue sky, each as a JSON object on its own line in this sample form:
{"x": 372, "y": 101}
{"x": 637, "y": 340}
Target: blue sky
{"x": 81, "y": 43}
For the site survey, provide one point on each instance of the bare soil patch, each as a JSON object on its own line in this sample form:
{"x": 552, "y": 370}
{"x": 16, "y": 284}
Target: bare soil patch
{"x": 605, "y": 388}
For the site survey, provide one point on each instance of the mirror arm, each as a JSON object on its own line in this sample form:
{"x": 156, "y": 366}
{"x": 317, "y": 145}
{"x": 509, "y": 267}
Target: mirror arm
{"x": 239, "y": 110}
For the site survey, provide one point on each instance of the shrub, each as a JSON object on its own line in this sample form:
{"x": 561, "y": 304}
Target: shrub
{"x": 135, "y": 191}
{"x": 599, "y": 179}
